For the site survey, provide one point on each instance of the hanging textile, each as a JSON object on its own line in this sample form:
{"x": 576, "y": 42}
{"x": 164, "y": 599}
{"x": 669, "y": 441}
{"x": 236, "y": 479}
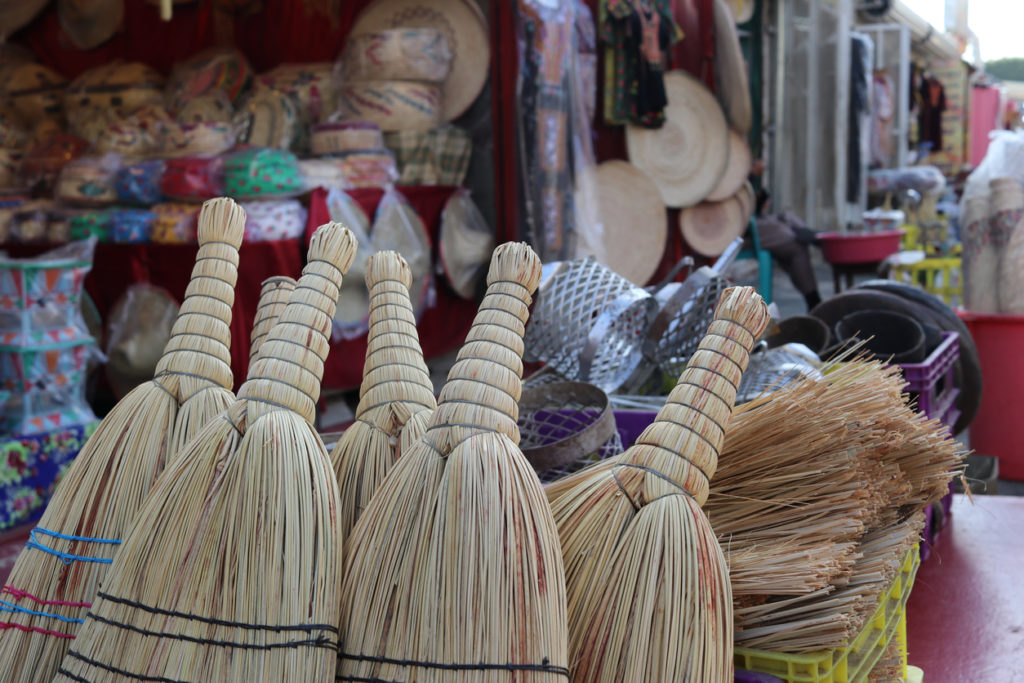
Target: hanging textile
{"x": 545, "y": 92}
{"x": 638, "y": 34}
{"x": 882, "y": 111}
{"x": 861, "y": 48}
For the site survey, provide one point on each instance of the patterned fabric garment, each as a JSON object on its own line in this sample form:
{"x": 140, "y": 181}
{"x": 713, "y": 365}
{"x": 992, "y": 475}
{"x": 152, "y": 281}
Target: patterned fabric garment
{"x": 638, "y": 34}
{"x": 546, "y": 93}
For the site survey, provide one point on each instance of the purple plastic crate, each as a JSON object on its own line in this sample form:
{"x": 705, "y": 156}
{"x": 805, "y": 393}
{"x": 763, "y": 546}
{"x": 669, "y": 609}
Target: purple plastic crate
{"x": 932, "y": 380}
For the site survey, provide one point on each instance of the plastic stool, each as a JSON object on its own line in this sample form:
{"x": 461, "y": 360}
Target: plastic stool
{"x": 764, "y": 263}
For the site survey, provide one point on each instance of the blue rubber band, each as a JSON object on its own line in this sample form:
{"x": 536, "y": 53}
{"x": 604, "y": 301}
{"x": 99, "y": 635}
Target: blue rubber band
{"x": 68, "y": 558}
{"x": 8, "y": 607}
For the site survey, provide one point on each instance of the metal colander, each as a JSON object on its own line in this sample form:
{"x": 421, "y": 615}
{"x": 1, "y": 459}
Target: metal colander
{"x": 565, "y": 426}
{"x": 589, "y": 323}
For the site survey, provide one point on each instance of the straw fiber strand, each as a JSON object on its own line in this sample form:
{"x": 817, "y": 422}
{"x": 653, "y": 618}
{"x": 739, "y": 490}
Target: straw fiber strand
{"x": 102, "y": 491}
{"x": 274, "y": 294}
{"x": 396, "y": 396}
{"x": 454, "y": 571}
{"x": 231, "y": 573}
{"x": 648, "y": 589}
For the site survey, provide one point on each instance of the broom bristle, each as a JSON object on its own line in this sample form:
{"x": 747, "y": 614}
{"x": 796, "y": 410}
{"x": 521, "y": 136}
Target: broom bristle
{"x": 463, "y": 513}
{"x": 231, "y": 573}
{"x": 57, "y": 575}
{"x": 631, "y": 523}
{"x": 396, "y": 386}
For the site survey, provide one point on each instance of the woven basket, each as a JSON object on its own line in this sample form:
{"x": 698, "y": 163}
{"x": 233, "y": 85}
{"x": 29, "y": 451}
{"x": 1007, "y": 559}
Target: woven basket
{"x": 392, "y": 105}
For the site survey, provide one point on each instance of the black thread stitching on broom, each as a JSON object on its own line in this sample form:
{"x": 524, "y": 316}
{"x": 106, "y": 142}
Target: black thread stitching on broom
{"x": 374, "y": 426}
{"x": 407, "y": 365}
{"x": 302, "y": 346}
{"x": 269, "y": 403}
{"x": 677, "y": 454}
{"x": 388, "y": 403}
{"x": 306, "y": 272}
{"x": 404, "y": 295}
{"x": 203, "y": 295}
{"x": 734, "y": 340}
{"x": 716, "y": 372}
{"x": 501, "y": 310}
{"x": 398, "y": 332}
{"x": 112, "y": 669}
{"x": 480, "y": 430}
{"x": 213, "y": 620}
{"x": 233, "y": 264}
{"x": 275, "y": 380}
{"x": 229, "y": 244}
{"x": 284, "y": 360}
{"x": 400, "y": 381}
{"x": 326, "y": 262}
{"x": 487, "y": 384}
{"x": 618, "y": 482}
{"x": 697, "y": 410}
{"x": 199, "y": 391}
{"x": 162, "y": 388}
{"x": 507, "y": 282}
{"x": 543, "y": 667}
{"x": 722, "y": 354}
{"x": 232, "y": 423}
{"x": 702, "y": 387}
{"x": 689, "y": 429}
{"x": 488, "y": 360}
{"x": 389, "y": 279}
{"x": 318, "y": 642}
{"x": 670, "y": 480}
{"x": 205, "y": 315}
{"x": 511, "y": 296}
{"x": 318, "y": 310}
{"x": 182, "y": 373}
{"x": 198, "y": 334}
{"x": 494, "y": 324}
{"x": 393, "y": 346}
{"x": 198, "y": 351}
{"x": 517, "y": 352}
{"x": 482, "y": 405}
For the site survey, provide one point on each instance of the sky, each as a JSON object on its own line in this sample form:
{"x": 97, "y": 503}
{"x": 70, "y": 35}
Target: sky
{"x": 997, "y": 23}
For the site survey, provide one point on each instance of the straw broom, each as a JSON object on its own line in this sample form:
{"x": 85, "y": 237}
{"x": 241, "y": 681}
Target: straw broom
{"x": 57, "y": 575}
{"x": 396, "y": 397}
{"x": 274, "y": 293}
{"x": 231, "y": 571}
{"x": 649, "y": 596}
{"x": 453, "y": 570}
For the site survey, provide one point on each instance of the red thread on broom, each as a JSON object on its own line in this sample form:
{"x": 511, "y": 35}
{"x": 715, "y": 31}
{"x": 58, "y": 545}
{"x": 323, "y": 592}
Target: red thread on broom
{"x": 33, "y": 629}
{"x": 18, "y": 593}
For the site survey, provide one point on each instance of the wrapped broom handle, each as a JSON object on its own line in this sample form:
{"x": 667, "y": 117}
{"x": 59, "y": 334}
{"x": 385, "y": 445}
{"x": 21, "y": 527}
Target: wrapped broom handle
{"x": 289, "y": 365}
{"x": 200, "y": 341}
{"x": 395, "y": 371}
{"x": 274, "y": 294}
{"x": 483, "y": 388}
{"x": 692, "y": 422}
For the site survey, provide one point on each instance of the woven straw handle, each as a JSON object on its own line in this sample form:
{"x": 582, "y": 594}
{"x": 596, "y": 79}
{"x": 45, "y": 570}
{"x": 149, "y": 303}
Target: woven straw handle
{"x": 289, "y": 365}
{"x": 483, "y": 388}
{"x": 395, "y": 371}
{"x": 199, "y": 347}
{"x": 274, "y": 295}
{"x": 692, "y": 422}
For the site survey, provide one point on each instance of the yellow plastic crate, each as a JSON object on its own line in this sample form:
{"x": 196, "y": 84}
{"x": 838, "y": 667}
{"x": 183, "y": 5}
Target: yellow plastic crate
{"x": 942, "y": 276}
{"x": 848, "y": 664}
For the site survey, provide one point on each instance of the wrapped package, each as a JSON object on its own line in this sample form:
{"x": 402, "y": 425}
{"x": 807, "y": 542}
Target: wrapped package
{"x": 139, "y": 183}
{"x": 258, "y": 173}
{"x": 193, "y": 179}
{"x": 269, "y": 220}
{"x": 89, "y": 181}
{"x": 131, "y": 226}
{"x": 175, "y": 223}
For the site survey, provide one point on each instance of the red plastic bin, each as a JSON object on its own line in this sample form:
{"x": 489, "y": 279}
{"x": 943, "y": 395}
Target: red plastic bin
{"x": 856, "y": 248}
{"x": 998, "y": 428}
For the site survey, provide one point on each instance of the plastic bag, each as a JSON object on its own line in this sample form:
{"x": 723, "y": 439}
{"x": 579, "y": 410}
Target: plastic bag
{"x": 89, "y": 181}
{"x": 465, "y": 244}
{"x": 398, "y": 227}
{"x": 352, "y": 316}
{"x": 371, "y": 168}
{"x": 139, "y": 327}
{"x": 193, "y": 178}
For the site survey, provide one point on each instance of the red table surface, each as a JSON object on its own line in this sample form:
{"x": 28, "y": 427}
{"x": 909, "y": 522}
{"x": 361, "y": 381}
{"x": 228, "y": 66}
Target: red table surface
{"x": 116, "y": 266}
{"x": 965, "y": 616}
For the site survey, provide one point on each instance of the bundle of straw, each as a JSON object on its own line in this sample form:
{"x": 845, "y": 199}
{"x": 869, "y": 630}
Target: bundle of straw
{"x": 396, "y": 398}
{"x": 274, "y": 293}
{"x": 649, "y": 594}
{"x": 231, "y": 571}
{"x": 818, "y": 499}
{"x": 58, "y": 573}
{"x": 454, "y": 571}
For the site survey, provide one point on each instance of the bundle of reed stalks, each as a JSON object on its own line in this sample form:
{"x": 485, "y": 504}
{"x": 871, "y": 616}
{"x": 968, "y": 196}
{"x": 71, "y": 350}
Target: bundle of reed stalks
{"x": 454, "y": 571}
{"x": 274, "y": 293}
{"x": 649, "y": 595}
{"x": 818, "y": 498}
{"x": 56, "y": 577}
{"x": 231, "y": 570}
{"x": 396, "y": 397}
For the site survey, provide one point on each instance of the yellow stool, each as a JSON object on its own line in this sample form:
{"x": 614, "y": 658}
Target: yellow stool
{"x": 942, "y": 276}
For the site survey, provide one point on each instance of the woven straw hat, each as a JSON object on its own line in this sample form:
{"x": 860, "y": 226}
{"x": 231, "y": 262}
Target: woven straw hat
{"x": 736, "y": 169}
{"x": 732, "y": 85}
{"x": 633, "y": 218}
{"x": 687, "y": 155}
{"x": 466, "y": 244}
{"x": 90, "y": 23}
{"x": 16, "y": 13}
{"x": 462, "y": 24}
{"x": 710, "y": 227}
